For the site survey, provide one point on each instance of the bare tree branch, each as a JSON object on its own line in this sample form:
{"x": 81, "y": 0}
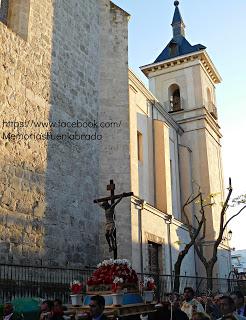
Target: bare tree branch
{"x": 189, "y": 201}
{"x": 197, "y": 220}
{"x": 222, "y": 214}
{"x": 203, "y": 214}
{"x": 235, "y": 215}
{"x": 194, "y": 233}
{"x": 200, "y": 254}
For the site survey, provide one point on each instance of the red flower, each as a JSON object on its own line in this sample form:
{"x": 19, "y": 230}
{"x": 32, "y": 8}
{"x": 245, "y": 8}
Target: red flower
{"x": 76, "y": 288}
{"x": 107, "y": 274}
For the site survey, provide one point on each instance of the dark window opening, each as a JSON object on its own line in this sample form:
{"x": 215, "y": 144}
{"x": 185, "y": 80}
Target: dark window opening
{"x": 154, "y": 251}
{"x": 176, "y": 100}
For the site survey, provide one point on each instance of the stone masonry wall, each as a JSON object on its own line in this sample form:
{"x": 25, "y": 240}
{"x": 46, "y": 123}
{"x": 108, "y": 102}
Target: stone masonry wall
{"x": 47, "y": 186}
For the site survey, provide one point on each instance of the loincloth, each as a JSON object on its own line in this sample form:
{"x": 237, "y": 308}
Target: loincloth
{"x": 110, "y": 226}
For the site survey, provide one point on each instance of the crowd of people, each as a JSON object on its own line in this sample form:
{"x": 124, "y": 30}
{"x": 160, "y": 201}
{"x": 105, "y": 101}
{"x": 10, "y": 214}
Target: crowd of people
{"x": 55, "y": 310}
{"x": 49, "y": 310}
{"x": 189, "y": 307}
{"x": 174, "y": 307}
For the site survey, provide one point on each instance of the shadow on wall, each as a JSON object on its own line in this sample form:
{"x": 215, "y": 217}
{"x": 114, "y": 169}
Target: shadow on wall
{"x": 71, "y": 218}
{"x": 48, "y": 187}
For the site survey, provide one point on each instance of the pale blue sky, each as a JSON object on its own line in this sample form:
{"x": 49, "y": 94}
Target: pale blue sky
{"x": 221, "y": 27}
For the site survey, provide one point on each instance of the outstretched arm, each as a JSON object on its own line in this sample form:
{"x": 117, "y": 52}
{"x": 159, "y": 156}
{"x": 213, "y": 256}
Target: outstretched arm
{"x": 115, "y": 204}
{"x": 102, "y": 204}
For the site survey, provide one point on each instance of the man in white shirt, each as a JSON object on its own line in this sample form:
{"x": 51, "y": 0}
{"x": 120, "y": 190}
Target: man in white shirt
{"x": 191, "y": 305}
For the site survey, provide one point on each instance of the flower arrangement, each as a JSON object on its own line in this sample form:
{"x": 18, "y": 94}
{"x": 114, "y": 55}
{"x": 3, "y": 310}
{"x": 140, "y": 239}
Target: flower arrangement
{"x": 116, "y": 284}
{"x": 113, "y": 275}
{"x": 76, "y": 287}
{"x": 149, "y": 284}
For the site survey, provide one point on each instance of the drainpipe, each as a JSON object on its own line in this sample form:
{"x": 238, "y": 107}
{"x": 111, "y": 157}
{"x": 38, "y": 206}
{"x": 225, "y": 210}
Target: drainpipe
{"x": 139, "y": 206}
{"x": 168, "y": 222}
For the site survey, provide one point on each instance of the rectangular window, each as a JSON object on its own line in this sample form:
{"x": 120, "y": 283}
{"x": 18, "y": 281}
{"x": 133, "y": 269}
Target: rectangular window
{"x": 154, "y": 251}
{"x": 140, "y": 146}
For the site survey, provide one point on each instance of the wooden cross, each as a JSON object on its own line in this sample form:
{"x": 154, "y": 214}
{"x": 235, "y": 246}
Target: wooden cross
{"x": 112, "y": 198}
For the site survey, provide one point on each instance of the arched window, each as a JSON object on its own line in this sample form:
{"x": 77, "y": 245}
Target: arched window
{"x": 4, "y": 7}
{"x": 174, "y": 97}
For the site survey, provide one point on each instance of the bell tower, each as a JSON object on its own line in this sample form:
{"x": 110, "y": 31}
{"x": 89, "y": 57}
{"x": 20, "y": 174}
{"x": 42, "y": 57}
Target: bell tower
{"x": 183, "y": 78}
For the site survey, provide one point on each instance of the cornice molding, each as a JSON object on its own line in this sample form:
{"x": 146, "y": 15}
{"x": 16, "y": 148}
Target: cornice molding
{"x": 202, "y": 57}
{"x": 204, "y": 115}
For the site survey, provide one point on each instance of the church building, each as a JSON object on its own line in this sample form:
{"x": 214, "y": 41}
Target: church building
{"x": 175, "y": 150}
{"x": 74, "y": 117}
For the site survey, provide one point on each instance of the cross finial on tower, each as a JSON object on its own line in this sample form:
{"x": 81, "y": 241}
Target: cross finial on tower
{"x": 176, "y": 3}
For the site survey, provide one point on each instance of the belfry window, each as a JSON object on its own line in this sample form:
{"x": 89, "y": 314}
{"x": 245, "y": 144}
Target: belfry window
{"x": 4, "y": 6}
{"x": 174, "y": 98}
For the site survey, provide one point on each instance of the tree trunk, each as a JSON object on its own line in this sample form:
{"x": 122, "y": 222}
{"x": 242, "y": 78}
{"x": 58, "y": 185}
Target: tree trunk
{"x": 209, "y": 271}
{"x": 177, "y": 268}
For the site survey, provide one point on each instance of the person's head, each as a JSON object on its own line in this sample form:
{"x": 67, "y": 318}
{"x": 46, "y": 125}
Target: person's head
{"x": 96, "y": 305}
{"x": 47, "y": 306}
{"x": 58, "y": 308}
{"x": 8, "y": 309}
{"x": 227, "y": 305}
{"x": 238, "y": 298}
{"x": 200, "y": 316}
{"x": 57, "y": 302}
{"x": 188, "y": 293}
{"x": 105, "y": 205}
{"x": 216, "y": 299}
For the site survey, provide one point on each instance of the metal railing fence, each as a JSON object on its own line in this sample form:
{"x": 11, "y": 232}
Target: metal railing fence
{"x": 54, "y": 282}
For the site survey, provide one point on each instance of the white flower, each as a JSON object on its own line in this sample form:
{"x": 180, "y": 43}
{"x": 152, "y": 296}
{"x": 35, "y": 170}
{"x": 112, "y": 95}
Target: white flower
{"x": 74, "y": 282}
{"x": 111, "y": 262}
{"x": 118, "y": 280}
{"x": 147, "y": 280}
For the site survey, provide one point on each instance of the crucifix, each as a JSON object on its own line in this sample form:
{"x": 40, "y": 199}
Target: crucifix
{"x": 109, "y": 207}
